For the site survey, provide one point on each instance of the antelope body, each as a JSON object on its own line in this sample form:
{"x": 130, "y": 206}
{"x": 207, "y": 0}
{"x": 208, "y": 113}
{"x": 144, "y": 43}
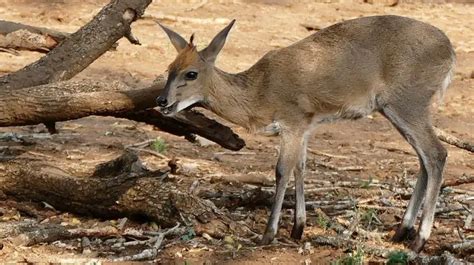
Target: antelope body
{"x": 390, "y": 64}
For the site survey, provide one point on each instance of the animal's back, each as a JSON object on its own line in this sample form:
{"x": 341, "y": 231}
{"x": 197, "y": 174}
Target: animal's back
{"x": 350, "y": 63}
{"x": 401, "y": 46}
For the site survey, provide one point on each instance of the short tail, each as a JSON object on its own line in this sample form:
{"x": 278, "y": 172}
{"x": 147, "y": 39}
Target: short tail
{"x": 449, "y": 77}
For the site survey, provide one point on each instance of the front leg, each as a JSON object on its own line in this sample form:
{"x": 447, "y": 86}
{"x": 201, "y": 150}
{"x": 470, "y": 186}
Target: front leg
{"x": 290, "y": 149}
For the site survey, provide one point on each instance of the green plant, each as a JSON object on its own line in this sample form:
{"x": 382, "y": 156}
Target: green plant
{"x": 354, "y": 258}
{"x": 322, "y": 222}
{"x": 397, "y": 258}
{"x": 190, "y": 234}
{"x": 158, "y": 145}
{"x": 369, "y": 217}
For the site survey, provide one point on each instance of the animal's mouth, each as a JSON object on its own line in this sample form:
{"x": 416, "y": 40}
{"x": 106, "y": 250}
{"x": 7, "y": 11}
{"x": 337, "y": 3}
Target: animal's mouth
{"x": 172, "y": 109}
{"x": 169, "y": 110}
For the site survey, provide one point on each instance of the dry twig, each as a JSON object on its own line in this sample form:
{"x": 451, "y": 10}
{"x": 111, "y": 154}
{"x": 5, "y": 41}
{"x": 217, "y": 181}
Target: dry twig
{"x": 338, "y": 168}
{"x": 464, "y": 179}
{"x": 190, "y": 20}
{"x": 316, "y": 152}
{"x": 453, "y": 140}
{"x": 445, "y": 258}
{"x": 51, "y": 233}
{"x": 149, "y": 152}
{"x": 151, "y": 253}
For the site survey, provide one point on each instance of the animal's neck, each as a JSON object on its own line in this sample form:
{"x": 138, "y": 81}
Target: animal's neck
{"x": 235, "y": 98}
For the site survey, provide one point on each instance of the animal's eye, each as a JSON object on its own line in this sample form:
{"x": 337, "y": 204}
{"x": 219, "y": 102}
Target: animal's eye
{"x": 191, "y": 75}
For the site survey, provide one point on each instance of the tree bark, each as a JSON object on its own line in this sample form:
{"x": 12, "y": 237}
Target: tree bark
{"x": 70, "y": 100}
{"x": 24, "y": 37}
{"x": 24, "y": 102}
{"x": 453, "y": 140}
{"x": 7, "y": 27}
{"x": 187, "y": 124}
{"x": 120, "y": 187}
{"x": 82, "y": 47}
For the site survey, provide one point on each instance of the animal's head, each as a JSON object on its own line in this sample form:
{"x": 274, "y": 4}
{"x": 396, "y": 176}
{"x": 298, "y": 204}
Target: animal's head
{"x": 189, "y": 73}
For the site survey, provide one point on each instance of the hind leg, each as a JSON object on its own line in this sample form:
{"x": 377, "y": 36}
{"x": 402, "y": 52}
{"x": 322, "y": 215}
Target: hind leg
{"x": 415, "y": 126}
{"x": 406, "y": 229}
{"x": 436, "y": 161}
{"x": 299, "y": 221}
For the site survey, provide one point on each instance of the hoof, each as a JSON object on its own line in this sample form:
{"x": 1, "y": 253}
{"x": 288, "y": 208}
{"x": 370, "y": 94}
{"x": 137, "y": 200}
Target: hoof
{"x": 417, "y": 244}
{"x": 404, "y": 233}
{"x": 267, "y": 238}
{"x": 297, "y": 232}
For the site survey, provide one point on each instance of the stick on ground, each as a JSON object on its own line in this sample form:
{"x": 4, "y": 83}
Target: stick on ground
{"x": 453, "y": 140}
{"x": 151, "y": 253}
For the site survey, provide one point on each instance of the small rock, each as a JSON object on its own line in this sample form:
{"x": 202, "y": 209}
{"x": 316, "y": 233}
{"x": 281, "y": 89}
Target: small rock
{"x": 308, "y": 249}
{"x": 121, "y": 223}
{"x": 189, "y": 168}
{"x": 207, "y": 236}
{"x": 85, "y": 244}
{"x": 201, "y": 141}
{"x": 300, "y": 250}
{"x": 59, "y": 244}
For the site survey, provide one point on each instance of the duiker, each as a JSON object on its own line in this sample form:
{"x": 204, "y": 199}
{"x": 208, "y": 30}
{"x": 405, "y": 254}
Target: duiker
{"x": 390, "y": 64}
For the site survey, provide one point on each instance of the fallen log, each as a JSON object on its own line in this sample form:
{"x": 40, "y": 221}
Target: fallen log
{"x": 25, "y": 37}
{"x": 82, "y": 48}
{"x": 7, "y": 27}
{"x": 120, "y": 187}
{"x": 48, "y": 233}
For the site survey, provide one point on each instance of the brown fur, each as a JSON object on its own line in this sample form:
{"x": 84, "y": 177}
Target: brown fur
{"x": 390, "y": 64}
{"x": 185, "y": 58}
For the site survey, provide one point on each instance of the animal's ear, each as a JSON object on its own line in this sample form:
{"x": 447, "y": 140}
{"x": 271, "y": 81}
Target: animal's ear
{"x": 178, "y": 42}
{"x": 210, "y": 53}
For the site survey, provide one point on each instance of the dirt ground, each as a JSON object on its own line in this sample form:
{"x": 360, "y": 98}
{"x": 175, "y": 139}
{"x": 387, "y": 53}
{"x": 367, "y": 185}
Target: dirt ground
{"x": 370, "y": 143}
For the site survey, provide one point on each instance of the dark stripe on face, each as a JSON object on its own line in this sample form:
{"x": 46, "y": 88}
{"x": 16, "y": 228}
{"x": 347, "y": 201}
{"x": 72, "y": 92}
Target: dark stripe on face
{"x": 171, "y": 77}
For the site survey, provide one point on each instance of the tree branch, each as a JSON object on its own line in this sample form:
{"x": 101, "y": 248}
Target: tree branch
{"x": 24, "y": 37}
{"x": 70, "y": 100}
{"x": 7, "y": 27}
{"x": 453, "y": 140}
{"x": 81, "y": 48}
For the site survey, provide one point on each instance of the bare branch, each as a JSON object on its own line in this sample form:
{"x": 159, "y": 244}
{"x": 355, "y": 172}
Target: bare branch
{"x": 453, "y": 140}
{"x": 81, "y": 48}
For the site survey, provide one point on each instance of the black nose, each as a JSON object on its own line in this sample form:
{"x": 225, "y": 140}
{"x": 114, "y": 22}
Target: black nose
{"x": 161, "y": 101}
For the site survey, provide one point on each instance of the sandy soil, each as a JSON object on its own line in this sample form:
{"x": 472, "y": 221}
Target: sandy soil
{"x": 371, "y": 143}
